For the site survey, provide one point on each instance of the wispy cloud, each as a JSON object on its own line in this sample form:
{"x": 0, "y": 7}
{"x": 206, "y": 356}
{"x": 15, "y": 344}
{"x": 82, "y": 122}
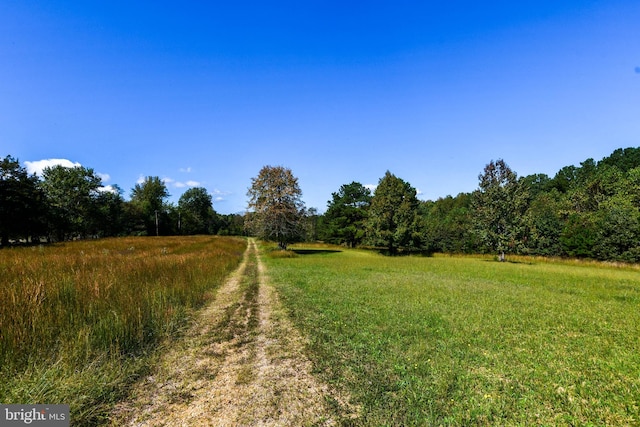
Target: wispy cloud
{"x": 185, "y": 170}
{"x": 39, "y": 166}
{"x": 219, "y": 195}
{"x": 170, "y": 182}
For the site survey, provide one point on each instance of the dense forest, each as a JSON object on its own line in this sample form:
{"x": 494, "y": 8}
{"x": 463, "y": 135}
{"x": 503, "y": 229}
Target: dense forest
{"x": 586, "y": 211}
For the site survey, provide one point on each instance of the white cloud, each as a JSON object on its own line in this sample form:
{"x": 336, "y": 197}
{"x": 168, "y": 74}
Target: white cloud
{"x": 219, "y": 195}
{"x": 140, "y": 180}
{"x": 170, "y": 182}
{"x": 108, "y": 189}
{"x": 371, "y": 187}
{"x": 39, "y": 166}
{"x": 185, "y": 170}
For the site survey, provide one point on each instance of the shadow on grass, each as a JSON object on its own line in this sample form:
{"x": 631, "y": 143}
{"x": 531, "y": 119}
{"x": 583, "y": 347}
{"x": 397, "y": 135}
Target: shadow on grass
{"x": 385, "y": 252}
{"x": 508, "y": 261}
{"x": 315, "y": 251}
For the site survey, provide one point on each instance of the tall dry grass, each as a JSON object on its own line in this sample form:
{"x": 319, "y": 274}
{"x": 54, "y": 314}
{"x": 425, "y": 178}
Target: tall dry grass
{"x": 80, "y": 306}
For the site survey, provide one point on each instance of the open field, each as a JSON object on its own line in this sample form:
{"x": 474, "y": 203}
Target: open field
{"x": 468, "y": 341}
{"x": 78, "y": 321}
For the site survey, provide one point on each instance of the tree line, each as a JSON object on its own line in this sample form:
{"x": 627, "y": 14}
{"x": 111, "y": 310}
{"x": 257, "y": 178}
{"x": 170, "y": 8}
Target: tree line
{"x": 586, "y": 211}
{"x": 71, "y": 203}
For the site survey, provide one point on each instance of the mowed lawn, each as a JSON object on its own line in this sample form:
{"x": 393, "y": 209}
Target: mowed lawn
{"x": 466, "y": 340}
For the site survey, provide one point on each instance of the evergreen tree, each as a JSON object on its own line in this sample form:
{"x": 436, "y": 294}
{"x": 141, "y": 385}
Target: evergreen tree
{"x": 393, "y": 220}
{"x": 346, "y": 214}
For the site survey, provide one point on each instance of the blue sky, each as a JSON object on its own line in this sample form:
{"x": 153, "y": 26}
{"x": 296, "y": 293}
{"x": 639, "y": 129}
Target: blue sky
{"x": 206, "y": 93}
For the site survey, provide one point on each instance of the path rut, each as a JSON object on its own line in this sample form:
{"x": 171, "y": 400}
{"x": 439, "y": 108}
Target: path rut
{"x": 241, "y": 364}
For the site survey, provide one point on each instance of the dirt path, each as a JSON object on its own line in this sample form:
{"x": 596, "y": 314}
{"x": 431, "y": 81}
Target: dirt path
{"x": 241, "y": 364}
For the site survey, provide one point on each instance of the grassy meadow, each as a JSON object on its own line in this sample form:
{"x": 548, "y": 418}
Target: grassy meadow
{"x": 80, "y": 321}
{"x": 467, "y": 340}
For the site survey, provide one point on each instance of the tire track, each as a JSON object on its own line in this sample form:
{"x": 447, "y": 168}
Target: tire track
{"x": 241, "y": 364}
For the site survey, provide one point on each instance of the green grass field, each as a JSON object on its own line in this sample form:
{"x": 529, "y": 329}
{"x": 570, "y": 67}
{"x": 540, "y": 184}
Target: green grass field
{"x": 466, "y": 340}
{"x": 80, "y": 321}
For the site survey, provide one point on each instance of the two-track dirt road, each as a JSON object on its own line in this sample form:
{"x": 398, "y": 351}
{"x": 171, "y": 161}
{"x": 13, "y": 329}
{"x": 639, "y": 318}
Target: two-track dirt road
{"x": 241, "y": 364}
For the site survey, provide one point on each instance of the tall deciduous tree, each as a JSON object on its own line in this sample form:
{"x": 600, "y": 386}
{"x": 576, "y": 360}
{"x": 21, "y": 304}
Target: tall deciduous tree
{"x": 149, "y": 198}
{"x": 499, "y": 205}
{"x": 72, "y": 195}
{"x": 393, "y": 220}
{"x": 196, "y": 211}
{"x": 346, "y": 214}
{"x": 275, "y": 208}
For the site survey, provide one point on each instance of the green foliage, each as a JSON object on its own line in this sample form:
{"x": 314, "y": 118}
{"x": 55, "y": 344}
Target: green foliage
{"x": 346, "y": 213}
{"x": 110, "y": 213}
{"x": 447, "y": 224}
{"x": 21, "y": 202}
{"x": 73, "y": 199}
{"x": 230, "y": 225}
{"x": 618, "y": 231}
{"x": 149, "y": 198}
{"x": 393, "y": 221}
{"x": 498, "y": 208}
{"x": 196, "y": 211}
{"x": 624, "y": 159}
{"x": 537, "y": 184}
{"x": 275, "y": 206}
{"x": 543, "y": 222}
{"x": 578, "y": 236}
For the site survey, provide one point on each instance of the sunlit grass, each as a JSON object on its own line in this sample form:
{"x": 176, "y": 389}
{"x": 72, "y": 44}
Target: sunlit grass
{"x": 78, "y": 318}
{"x": 469, "y": 341}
